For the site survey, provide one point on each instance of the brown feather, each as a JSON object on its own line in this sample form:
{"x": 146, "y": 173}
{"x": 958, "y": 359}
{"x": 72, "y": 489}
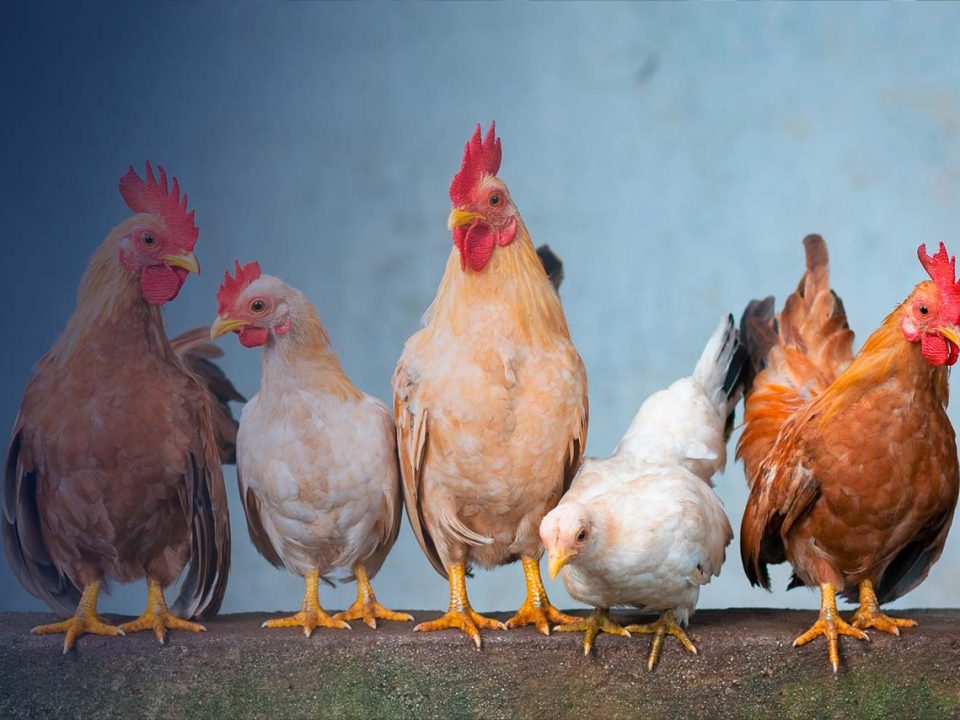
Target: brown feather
{"x": 196, "y": 351}
{"x": 258, "y": 536}
{"x": 113, "y": 470}
{"x": 859, "y": 481}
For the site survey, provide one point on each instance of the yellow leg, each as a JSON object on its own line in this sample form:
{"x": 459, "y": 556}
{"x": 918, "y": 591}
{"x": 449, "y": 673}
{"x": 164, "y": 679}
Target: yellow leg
{"x": 598, "y": 622}
{"x": 366, "y": 607}
{"x": 536, "y": 609}
{"x": 868, "y": 615}
{"x": 311, "y": 616}
{"x": 157, "y": 617}
{"x": 84, "y": 620}
{"x": 830, "y": 625}
{"x": 666, "y": 625}
{"x": 460, "y": 615}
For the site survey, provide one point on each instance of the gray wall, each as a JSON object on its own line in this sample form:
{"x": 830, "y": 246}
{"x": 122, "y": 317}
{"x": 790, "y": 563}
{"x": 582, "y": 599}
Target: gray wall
{"x": 674, "y": 155}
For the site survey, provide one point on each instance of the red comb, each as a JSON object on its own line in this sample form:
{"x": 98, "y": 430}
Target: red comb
{"x": 942, "y": 270}
{"x": 232, "y": 287}
{"x": 480, "y": 157}
{"x": 154, "y": 198}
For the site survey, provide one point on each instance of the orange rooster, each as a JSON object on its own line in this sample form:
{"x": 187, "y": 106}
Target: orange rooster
{"x": 114, "y": 467}
{"x": 852, "y": 461}
{"x": 491, "y": 401}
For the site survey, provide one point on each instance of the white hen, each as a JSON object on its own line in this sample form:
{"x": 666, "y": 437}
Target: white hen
{"x": 644, "y": 526}
{"x": 317, "y": 463}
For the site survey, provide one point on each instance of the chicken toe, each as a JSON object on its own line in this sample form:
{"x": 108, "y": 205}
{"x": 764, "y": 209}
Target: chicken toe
{"x": 366, "y": 607}
{"x": 460, "y": 615}
{"x": 157, "y": 616}
{"x": 536, "y": 609}
{"x": 666, "y": 625}
{"x": 868, "y": 615}
{"x": 830, "y": 626}
{"x": 85, "y": 620}
{"x": 599, "y": 621}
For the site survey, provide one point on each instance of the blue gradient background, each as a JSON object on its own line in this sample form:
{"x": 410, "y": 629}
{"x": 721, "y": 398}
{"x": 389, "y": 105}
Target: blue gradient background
{"x": 674, "y": 155}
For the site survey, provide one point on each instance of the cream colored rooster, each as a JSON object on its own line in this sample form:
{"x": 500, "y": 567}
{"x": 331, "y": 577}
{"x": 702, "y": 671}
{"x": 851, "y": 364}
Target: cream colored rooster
{"x": 317, "y": 460}
{"x": 491, "y": 401}
{"x": 644, "y": 526}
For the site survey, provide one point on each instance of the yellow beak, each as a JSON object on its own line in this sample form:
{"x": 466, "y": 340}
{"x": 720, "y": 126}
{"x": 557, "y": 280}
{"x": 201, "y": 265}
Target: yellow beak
{"x": 223, "y": 325}
{"x": 950, "y": 333}
{"x": 459, "y": 217}
{"x": 187, "y": 260}
{"x": 556, "y": 561}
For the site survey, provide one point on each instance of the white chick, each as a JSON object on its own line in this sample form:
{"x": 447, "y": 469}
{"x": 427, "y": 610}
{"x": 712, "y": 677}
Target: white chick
{"x": 644, "y": 527}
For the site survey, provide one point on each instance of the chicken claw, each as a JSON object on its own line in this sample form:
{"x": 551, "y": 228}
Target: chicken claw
{"x": 868, "y": 615}
{"x": 536, "y": 609}
{"x": 311, "y": 615}
{"x": 830, "y": 625}
{"x": 366, "y": 607}
{"x": 157, "y": 617}
{"x": 666, "y": 625}
{"x": 85, "y": 620}
{"x": 460, "y": 615}
{"x": 599, "y": 621}
{"x": 309, "y": 620}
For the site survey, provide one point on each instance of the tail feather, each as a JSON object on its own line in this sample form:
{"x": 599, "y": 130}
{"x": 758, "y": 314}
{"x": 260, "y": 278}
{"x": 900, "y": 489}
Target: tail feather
{"x": 196, "y": 350}
{"x": 688, "y": 423}
{"x": 552, "y": 265}
{"x": 722, "y": 369}
{"x": 794, "y": 356}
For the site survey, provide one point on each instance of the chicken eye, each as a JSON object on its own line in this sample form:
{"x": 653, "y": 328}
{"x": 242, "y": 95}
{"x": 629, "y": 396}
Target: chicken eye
{"x": 581, "y": 536}
{"x": 923, "y": 310}
{"x": 148, "y": 240}
{"x": 495, "y": 199}
{"x": 258, "y": 306}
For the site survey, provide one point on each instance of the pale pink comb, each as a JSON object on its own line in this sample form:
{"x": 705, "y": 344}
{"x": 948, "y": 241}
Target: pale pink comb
{"x": 232, "y": 287}
{"x": 154, "y": 198}
{"x": 942, "y": 270}
{"x": 480, "y": 157}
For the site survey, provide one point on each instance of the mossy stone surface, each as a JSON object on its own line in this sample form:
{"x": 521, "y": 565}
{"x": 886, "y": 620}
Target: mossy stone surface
{"x": 745, "y": 669}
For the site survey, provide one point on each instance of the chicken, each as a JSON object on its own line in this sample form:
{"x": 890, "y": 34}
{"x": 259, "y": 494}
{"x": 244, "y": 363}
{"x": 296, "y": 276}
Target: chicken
{"x": 317, "y": 463}
{"x": 114, "y": 466}
{"x": 851, "y": 461}
{"x": 644, "y": 526}
{"x": 491, "y": 401}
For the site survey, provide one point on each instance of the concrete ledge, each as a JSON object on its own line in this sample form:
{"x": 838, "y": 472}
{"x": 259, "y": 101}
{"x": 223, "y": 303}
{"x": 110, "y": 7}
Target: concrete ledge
{"x": 746, "y": 669}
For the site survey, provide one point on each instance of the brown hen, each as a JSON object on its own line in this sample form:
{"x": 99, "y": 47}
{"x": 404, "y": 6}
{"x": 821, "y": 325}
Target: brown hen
{"x": 852, "y": 462}
{"x": 114, "y": 466}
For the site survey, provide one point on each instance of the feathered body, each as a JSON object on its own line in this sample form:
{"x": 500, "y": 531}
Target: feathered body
{"x": 492, "y": 409}
{"x": 644, "y": 526}
{"x": 852, "y": 462}
{"x": 113, "y": 470}
{"x": 317, "y": 462}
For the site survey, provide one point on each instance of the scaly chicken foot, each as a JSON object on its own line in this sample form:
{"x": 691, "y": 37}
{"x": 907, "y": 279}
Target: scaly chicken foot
{"x": 868, "y": 615}
{"x": 830, "y": 625}
{"x": 366, "y": 607}
{"x": 599, "y": 621}
{"x": 460, "y": 615}
{"x": 84, "y": 620}
{"x": 157, "y": 616}
{"x": 311, "y": 616}
{"x": 666, "y": 625}
{"x": 536, "y": 609}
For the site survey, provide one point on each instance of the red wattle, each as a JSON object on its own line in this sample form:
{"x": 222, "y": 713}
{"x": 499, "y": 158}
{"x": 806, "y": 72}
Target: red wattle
{"x": 251, "y": 336}
{"x": 160, "y": 284}
{"x": 935, "y": 349}
{"x": 477, "y": 246}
